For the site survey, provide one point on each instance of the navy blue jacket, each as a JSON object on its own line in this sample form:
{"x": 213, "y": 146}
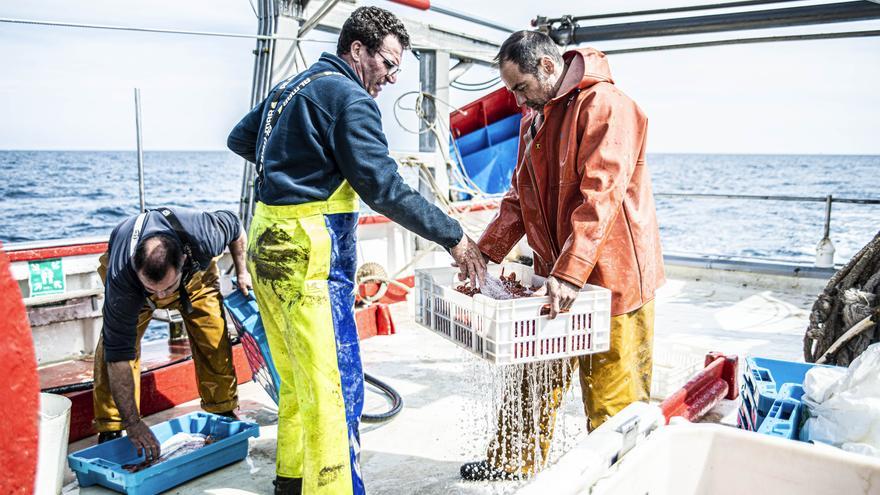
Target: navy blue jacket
{"x": 329, "y": 132}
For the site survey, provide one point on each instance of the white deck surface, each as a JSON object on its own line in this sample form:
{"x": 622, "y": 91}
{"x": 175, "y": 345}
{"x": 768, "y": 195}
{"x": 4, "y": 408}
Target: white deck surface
{"x": 447, "y": 394}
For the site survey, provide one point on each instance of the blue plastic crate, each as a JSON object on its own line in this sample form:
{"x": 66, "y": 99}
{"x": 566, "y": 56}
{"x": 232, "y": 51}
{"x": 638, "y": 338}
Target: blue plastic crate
{"x": 102, "y": 464}
{"x": 246, "y": 318}
{"x": 750, "y": 411}
{"x": 747, "y": 413}
{"x": 793, "y": 391}
{"x": 764, "y": 378}
{"x": 784, "y": 418}
{"x": 743, "y": 421}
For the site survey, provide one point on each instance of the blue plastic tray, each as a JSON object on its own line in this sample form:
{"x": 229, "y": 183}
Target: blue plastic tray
{"x": 246, "y": 318}
{"x": 102, "y": 464}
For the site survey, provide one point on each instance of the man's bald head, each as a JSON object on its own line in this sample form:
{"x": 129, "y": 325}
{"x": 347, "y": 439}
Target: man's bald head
{"x": 156, "y": 255}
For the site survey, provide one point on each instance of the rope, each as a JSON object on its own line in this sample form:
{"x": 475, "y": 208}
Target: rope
{"x": 438, "y": 129}
{"x": 482, "y": 86}
{"x": 843, "y": 318}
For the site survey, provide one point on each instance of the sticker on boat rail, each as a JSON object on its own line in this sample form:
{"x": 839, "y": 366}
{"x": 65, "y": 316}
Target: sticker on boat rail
{"x": 46, "y": 277}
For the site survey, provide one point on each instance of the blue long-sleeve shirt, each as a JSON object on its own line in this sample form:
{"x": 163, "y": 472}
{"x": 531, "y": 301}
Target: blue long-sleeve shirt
{"x": 329, "y": 132}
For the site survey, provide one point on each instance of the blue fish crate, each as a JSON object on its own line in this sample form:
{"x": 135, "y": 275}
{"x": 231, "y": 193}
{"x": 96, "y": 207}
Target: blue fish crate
{"x": 749, "y": 417}
{"x": 103, "y": 463}
{"x": 246, "y": 317}
{"x": 743, "y": 421}
{"x": 764, "y": 378}
{"x": 784, "y": 418}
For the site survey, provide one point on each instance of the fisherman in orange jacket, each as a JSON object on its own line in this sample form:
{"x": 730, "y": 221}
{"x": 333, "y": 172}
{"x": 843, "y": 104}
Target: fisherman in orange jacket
{"x": 581, "y": 194}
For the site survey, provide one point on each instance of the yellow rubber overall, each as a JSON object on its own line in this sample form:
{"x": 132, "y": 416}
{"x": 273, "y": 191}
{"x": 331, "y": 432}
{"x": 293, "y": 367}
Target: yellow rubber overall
{"x": 302, "y": 259}
{"x": 610, "y": 381}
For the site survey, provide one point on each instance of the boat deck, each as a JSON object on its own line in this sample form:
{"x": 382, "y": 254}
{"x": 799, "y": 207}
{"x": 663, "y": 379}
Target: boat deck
{"x": 447, "y": 414}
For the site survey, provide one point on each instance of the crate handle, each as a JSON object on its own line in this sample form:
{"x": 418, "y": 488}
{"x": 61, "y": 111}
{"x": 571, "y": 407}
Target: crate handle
{"x": 544, "y": 310}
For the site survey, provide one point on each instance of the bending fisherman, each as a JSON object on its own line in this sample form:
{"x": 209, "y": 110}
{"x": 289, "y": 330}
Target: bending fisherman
{"x": 166, "y": 259}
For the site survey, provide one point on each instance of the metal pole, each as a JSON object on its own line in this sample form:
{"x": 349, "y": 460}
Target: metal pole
{"x": 427, "y": 141}
{"x": 261, "y": 83}
{"x": 140, "y": 149}
{"x": 719, "y": 23}
{"x": 814, "y": 199}
{"x": 828, "y": 201}
{"x": 321, "y": 13}
{"x": 428, "y": 83}
{"x": 747, "y": 3}
{"x": 470, "y": 18}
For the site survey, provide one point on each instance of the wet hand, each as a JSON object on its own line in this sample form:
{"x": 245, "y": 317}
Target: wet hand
{"x": 144, "y": 440}
{"x": 469, "y": 260}
{"x": 244, "y": 282}
{"x": 562, "y": 295}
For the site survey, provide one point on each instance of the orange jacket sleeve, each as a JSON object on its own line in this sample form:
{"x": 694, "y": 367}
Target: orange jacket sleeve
{"x": 608, "y": 150}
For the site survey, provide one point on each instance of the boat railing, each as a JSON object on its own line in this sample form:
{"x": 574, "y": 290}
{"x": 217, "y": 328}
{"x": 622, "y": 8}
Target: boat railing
{"x": 825, "y": 248}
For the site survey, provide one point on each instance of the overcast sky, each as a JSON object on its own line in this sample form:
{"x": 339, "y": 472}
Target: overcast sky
{"x": 67, "y": 88}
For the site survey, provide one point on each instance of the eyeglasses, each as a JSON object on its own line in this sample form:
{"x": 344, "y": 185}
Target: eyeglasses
{"x": 393, "y": 69}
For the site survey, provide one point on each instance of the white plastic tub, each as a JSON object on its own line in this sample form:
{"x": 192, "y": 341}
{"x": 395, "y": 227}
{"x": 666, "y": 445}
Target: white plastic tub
{"x": 693, "y": 459}
{"x": 54, "y": 431}
{"x": 512, "y": 331}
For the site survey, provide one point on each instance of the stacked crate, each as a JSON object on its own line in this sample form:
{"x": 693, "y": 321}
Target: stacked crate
{"x": 771, "y": 397}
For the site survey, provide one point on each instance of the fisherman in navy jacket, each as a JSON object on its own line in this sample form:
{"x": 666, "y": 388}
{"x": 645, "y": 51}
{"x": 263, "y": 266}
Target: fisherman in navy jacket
{"x": 332, "y": 131}
{"x": 318, "y": 144}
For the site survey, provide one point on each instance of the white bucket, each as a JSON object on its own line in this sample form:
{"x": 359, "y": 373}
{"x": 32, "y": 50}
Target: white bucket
{"x": 54, "y": 431}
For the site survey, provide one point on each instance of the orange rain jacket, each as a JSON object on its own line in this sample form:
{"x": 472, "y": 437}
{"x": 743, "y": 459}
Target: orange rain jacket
{"x": 586, "y": 165}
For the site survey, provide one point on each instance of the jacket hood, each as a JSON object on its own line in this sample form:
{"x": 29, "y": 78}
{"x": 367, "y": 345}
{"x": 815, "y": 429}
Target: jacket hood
{"x": 586, "y": 67}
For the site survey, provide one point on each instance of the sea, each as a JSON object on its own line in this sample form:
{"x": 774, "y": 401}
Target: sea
{"x": 48, "y": 195}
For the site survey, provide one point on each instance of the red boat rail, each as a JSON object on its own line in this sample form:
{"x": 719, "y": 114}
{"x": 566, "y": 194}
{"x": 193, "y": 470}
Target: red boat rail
{"x": 66, "y": 248}
{"x": 416, "y": 4}
{"x": 491, "y": 204}
{"x": 479, "y": 113}
{"x": 61, "y": 251}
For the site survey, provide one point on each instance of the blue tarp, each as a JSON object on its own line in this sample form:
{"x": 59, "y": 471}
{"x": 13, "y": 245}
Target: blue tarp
{"x": 489, "y": 154}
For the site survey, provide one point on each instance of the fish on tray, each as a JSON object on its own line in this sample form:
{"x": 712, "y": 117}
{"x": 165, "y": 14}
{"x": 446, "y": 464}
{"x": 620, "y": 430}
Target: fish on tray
{"x": 178, "y": 445}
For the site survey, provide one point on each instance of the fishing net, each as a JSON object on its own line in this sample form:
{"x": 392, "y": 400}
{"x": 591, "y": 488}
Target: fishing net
{"x": 843, "y": 321}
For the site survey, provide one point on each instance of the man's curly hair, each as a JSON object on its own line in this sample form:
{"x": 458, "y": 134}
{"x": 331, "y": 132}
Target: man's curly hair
{"x": 370, "y": 25}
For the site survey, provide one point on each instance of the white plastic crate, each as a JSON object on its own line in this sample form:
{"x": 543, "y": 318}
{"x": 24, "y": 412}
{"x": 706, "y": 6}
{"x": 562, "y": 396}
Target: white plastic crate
{"x": 512, "y": 331}
{"x": 673, "y": 367}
